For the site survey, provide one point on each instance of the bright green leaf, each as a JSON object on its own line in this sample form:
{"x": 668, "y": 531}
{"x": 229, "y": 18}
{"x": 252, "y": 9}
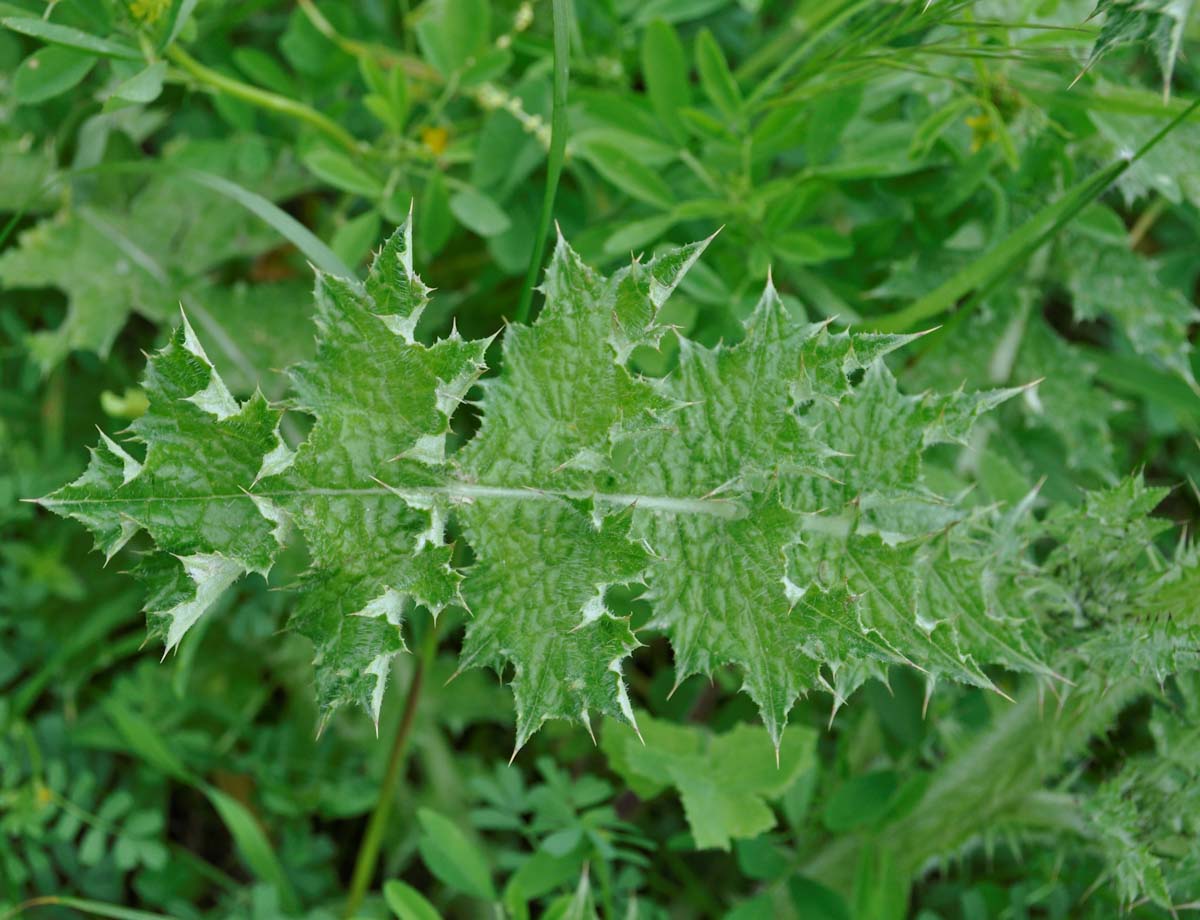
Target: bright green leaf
{"x": 665, "y": 69}
{"x": 342, "y": 172}
{"x": 69, "y": 37}
{"x": 407, "y": 903}
{"x": 450, "y": 856}
{"x": 144, "y": 86}
{"x": 724, "y": 781}
{"x": 479, "y": 213}
{"x": 50, "y": 72}
{"x": 716, "y": 78}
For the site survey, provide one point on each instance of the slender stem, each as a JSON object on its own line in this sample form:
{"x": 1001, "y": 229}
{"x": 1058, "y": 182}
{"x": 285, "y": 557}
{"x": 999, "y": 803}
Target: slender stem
{"x": 372, "y": 840}
{"x": 1146, "y": 221}
{"x": 558, "y": 149}
{"x": 413, "y": 66}
{"x": 272, "y": 102}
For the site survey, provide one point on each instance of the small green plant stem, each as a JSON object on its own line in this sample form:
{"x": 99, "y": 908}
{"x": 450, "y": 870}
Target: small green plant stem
{"x": 372, "y": 840}
{"x": 412, "y": 65}
{"x": 558, "y": 149}
{"x": 1146, "y": 220}
{"x": 272, "y": 102}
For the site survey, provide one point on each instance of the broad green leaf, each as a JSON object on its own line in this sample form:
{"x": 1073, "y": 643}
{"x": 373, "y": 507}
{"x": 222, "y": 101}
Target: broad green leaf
{"x": 381, "y": 402}
{"x": 355, "y": 238}
{"x": 811, "y": 246}
{"x": 279, "y": 220}
{"x": 787, "y": 468}
{"x": 540, "y": 874}
{"x": 632, "y": 237}
{"x": 26, "y": 178}
{"x": 253, "y": 332}
{"x": 50, "y": 72}
{"x": 438, "y": 223}
{"x": 450, "y": 856}
{"x": 264, "y": 70}
{"x": 542, "y": 432}
{"x": 724, "y": 781}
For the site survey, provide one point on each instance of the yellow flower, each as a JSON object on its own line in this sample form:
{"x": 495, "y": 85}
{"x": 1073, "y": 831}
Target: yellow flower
{"x": 436, "y": 139}
{"x": 982, "y": 131}
{"x": 148, "y": 11}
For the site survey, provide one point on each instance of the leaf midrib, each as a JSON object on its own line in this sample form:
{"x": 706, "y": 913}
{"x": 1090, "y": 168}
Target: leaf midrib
{"x": 464, "y": 492}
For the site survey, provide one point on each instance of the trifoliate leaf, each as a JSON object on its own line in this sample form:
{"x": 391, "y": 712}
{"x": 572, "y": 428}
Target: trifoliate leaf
{"x": 724, "y": 781}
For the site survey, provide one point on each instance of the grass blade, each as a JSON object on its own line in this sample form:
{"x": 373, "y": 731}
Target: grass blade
{"x": 558, "y": 149}
{"x": 295, "y": 232}
{"x": 985, "y": 272}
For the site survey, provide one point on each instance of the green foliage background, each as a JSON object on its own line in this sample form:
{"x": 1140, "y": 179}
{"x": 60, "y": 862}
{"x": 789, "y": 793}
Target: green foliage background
{"x": 893, "y": 166}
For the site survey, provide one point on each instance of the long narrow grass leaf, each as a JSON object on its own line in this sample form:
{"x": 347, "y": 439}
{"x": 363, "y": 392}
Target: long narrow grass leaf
{"x": 558, "y": 150}
{"x": 984, "y": 273}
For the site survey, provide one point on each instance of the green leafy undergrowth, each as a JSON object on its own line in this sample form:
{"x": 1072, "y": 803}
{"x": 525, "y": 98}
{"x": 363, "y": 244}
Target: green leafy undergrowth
{"x": 769, "y": 495}
{"x": 146, "y": 256}
{"x": 724, "y": 781}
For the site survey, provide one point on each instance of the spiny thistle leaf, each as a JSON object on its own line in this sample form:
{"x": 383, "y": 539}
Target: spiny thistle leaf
{"x": 202, "y": 450}
{"x": 382, "y": 404}
{"x": 1157, "y": 23}
{"x": 768, "y": 494}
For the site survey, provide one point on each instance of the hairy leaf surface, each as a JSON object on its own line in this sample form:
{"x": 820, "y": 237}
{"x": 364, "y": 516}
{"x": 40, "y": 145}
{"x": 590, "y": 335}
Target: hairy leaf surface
{"x": 768, "y": 494}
